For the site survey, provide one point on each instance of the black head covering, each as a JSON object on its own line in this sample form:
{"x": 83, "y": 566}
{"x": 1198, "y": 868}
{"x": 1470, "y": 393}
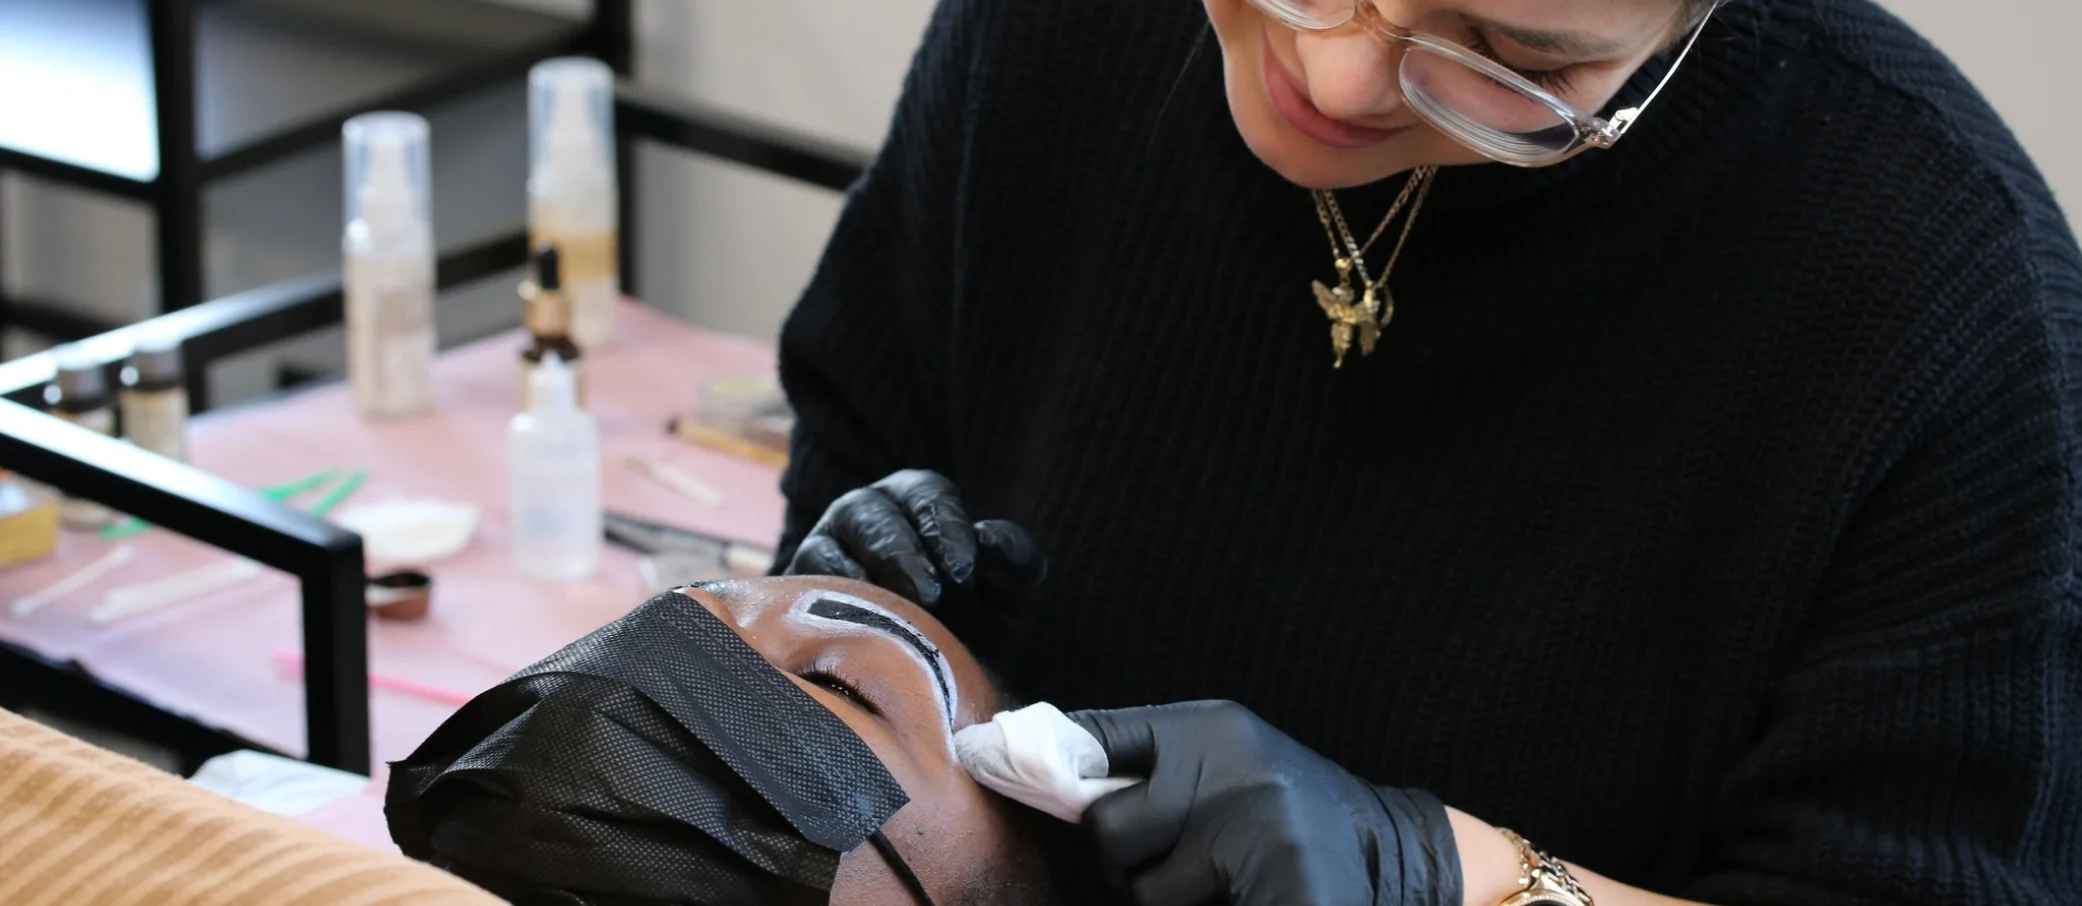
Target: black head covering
{"x": 659, "y": 759}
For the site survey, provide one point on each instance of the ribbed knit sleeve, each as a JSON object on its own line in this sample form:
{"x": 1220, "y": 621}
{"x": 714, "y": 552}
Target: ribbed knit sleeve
{"x": 860, "y": 354}
{"x": 1920, "y": 744}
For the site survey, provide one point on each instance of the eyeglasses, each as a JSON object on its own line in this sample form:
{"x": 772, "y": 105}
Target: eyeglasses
{"x": 1475, "y": 100}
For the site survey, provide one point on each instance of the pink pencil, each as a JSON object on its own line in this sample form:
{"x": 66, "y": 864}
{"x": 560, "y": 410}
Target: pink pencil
{"x": 293, "y": 661}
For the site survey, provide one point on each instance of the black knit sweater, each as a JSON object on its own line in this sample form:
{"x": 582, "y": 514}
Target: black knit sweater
{"x": 1708, "y": 512}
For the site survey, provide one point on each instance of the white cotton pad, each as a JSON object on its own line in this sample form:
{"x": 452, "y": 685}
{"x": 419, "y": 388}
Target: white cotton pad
{"x": 1039, "y": 758}
{"x": 276, "y": 784}
{"x": 413, "y": 532}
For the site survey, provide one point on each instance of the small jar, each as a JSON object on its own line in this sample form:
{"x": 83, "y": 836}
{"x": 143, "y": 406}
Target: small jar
{"x": 155, "y": 398}
{"x": 80, "y": 395}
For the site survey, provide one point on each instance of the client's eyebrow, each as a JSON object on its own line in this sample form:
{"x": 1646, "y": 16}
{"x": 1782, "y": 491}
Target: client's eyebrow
{"x": 851, "y": 613}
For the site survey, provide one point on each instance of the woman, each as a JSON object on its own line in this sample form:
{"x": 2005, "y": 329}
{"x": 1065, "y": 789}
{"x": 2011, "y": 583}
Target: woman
{"x": 1706, "y": 509}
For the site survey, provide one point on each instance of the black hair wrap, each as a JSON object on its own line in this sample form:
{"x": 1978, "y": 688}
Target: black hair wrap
{"x": 659, "y": 759}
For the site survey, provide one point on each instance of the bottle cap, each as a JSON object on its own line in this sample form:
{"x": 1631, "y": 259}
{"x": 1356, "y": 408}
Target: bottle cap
{"x": 387, "y": 174}
{"x": 552, "y": 387}
{"x": 157, "y": 359}
{"x": 548, "y": 269}
{"x": 570, "y": 119}
{"x": 80, "y": 376}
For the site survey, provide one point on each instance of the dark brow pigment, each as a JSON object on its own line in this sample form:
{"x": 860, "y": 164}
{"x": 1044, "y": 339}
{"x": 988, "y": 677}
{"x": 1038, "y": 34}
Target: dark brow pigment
{"x": 853, "y": 613}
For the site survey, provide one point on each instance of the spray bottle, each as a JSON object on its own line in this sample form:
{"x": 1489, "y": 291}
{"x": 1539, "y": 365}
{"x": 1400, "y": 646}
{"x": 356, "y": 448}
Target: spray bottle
{"x": 553, "y": 461}
{"x": 389, "y": 249}
{"x": 571, "y": 187}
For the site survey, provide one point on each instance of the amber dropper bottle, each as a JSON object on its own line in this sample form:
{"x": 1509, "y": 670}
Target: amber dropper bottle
{"x": 548, "y": 319}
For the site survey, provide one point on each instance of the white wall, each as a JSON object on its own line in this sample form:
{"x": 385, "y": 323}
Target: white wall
{"x": 730, "y": 249}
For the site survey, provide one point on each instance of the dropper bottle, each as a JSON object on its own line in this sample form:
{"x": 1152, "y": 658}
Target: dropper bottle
{"x": 389, "y": 248}
{"x": 571, "y": 187}
{"x": 553, "y": 460}
{"x": 548, "y": 320}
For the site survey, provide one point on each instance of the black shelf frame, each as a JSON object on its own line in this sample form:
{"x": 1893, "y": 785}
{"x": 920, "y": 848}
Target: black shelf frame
{"x": 175, "y": 194}
{"x": 327, "y": 560}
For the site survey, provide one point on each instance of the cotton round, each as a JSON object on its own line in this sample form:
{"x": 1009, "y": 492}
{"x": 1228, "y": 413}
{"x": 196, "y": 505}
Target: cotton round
{"x": 411, "y": 531}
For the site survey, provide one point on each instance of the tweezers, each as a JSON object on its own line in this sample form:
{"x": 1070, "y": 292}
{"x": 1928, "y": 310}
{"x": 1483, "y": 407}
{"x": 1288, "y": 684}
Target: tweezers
{"x": 646, "y": 537}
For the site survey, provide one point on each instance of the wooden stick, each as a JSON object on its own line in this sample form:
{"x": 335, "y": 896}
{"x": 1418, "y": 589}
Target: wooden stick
{"x": 702, "y": 435}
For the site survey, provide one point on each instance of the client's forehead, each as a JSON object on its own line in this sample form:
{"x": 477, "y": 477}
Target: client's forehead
{"x": 748, "y": 599}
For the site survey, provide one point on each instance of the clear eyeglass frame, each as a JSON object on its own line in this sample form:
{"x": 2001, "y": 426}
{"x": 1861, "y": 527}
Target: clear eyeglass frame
{"x": 1524, "y": 149}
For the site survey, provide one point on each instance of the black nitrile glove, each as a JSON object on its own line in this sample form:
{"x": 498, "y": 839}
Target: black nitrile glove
{"x": 1237, "y": 812}
{"x": 908, "y": 533}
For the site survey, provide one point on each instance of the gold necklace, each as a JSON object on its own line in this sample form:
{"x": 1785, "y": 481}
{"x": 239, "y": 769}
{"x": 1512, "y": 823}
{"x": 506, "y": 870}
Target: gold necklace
{"x": 1369, "y": 308}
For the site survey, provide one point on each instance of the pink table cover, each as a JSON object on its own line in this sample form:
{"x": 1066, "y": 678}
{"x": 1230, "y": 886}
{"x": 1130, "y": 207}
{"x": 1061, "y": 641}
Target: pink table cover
{"x": 211, "y": 657}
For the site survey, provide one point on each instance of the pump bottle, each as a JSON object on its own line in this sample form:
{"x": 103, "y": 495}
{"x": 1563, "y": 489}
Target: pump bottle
{"x": 571, "y": 187}
{"x": 389, "y": 248}
{"x": 553, "y": 460}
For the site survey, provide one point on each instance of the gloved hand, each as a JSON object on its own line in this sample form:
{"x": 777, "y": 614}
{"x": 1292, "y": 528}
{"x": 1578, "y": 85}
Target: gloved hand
{"x": 908, "y": 533}
{"x": 1237, "y": 812}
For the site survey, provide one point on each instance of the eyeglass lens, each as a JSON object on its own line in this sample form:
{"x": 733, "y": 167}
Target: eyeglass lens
{"x": 1494, "y": 117}
{"x": 1491, "y": 116}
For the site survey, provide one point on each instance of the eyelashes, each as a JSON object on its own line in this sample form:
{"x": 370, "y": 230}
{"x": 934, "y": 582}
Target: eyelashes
{"x": 828, "y": 679}
{"x": 1554, "y": 80}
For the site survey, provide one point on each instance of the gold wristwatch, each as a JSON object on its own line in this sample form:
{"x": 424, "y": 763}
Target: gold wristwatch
{"x": 1547, "y": 881}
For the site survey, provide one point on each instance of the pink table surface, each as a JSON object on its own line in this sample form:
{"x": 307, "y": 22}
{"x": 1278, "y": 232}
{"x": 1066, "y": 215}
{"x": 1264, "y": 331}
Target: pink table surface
{"x": 210, "y": 657}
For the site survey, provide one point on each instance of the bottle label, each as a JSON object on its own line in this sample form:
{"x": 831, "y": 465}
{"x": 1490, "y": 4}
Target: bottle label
{"x": 555, "y": 511}
{"x": 390, "y": 335}
{"x": 591, "y": 275}
{"x": 157, "y": 421}
{"x": 581, "y": 259}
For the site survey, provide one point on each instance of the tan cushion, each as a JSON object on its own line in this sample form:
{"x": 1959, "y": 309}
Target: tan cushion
{"x": 79, "y": 824}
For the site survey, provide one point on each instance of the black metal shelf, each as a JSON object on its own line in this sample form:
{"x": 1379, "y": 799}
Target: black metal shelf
{"x": 349, "y": 57}
{"x": 172, "y": 495}
{"x": 272, "y": 77}
{"x": 153, "y": 99}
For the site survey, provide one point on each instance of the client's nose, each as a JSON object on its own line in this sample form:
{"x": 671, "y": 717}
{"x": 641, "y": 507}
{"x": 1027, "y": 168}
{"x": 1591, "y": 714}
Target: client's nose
{"x": 1351, "y": 76}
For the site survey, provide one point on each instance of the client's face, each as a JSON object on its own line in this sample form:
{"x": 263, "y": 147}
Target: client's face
{"x": 904, "y": 684}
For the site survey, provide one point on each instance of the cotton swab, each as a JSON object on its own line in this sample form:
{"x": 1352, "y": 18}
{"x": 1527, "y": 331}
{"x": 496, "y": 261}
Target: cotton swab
{"x": 293, "y": 661}
{"x": 107, "y": 563}
{"x": 147, "y": 596}
{"x": 675, "y": 479}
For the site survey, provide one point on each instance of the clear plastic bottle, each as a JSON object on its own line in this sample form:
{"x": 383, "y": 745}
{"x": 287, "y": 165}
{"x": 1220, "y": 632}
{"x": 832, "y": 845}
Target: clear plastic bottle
{"x": 553, "y": 461}
{"x": 389, "y": 249}
{"x": 571, "y": 187}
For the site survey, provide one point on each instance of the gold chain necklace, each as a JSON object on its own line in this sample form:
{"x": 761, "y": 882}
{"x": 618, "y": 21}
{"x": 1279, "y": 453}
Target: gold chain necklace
{"x": 1371, "y": 306}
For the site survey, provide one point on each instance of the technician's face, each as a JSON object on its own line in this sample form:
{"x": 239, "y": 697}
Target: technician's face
{"x": 901, "y": 681}
{"x": 1325, "y": 109}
